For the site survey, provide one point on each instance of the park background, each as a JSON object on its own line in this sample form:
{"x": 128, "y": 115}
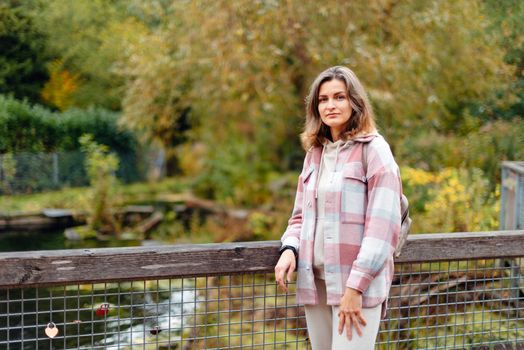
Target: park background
{"x": 142, "y": 101}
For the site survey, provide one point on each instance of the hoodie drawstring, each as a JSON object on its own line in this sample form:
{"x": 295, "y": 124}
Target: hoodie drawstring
{"x": 320, "y": 170}
{"x": 322, "y": 166}
{"x": 336, "y": 163}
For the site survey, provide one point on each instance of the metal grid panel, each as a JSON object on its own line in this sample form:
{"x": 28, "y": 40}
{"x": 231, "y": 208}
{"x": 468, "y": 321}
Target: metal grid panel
{"x": 455, "y": 305}
{"x": 442, "y": 305}
{"x": 239, "y": 311}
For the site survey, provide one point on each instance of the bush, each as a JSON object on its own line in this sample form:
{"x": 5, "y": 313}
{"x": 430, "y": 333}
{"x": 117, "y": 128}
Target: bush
{"x": 452, "y": 200}
{"x": 101, "y": 167}
{"x": 24, "y": 128}
{"x": 32, "y": 128}
{"x": 483, "y": 148}
{"x": 30, "y": 133}
{"x": 234, "y": 173}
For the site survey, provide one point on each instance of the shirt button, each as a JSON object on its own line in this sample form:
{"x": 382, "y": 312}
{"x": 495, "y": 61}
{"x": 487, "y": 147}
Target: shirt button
{"x": 309, "y": 204}
{"x": 363, "y": 179}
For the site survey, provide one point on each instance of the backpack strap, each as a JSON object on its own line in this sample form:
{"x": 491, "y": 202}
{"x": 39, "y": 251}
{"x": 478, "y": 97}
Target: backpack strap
{"x": 405, "y": 221}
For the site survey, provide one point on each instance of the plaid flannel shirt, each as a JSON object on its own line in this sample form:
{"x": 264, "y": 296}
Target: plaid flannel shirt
{"x": 359, "y": 244}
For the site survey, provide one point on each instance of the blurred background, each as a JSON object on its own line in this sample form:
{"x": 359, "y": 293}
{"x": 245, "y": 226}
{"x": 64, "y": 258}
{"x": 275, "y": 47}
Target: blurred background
{"x": 178, "y": 121}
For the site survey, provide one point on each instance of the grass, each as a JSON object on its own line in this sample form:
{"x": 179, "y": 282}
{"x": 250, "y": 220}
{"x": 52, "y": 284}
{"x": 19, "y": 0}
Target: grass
{"x": 77, "y": 199}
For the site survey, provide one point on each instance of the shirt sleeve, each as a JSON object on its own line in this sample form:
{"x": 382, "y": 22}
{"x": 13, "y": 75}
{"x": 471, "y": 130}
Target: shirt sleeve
{"x": 382, "y": 226}
{"x": 291, "y": 236}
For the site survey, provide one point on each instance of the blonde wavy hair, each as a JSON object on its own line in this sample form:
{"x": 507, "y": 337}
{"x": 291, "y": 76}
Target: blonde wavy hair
{"x": 361, "y": 120}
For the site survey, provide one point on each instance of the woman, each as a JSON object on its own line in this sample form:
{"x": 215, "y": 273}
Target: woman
{"x": 346, "y": 220}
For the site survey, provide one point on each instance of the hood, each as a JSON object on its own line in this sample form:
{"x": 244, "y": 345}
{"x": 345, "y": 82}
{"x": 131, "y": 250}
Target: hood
{"x": 365, "y": 137}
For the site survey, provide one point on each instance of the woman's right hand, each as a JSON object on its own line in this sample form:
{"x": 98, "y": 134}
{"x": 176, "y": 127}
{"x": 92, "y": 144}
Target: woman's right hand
{"x": 284, "y": 268}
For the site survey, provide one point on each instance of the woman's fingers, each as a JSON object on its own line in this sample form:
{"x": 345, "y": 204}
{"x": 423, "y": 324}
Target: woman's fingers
{"x": 349, "y": 319}
{"x": 345, "y": 321}
{"x": 279, "y": 277}
{"x": 290, "y": 271}
{"x": 283, "y": 285}
{"x": 354, "y": 321}
{"x": 341, "y": 322}
{"x": 361, "y": 319}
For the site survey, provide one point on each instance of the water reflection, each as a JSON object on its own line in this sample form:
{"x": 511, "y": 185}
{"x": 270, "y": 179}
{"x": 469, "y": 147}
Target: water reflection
{"x": 16, "y": 241}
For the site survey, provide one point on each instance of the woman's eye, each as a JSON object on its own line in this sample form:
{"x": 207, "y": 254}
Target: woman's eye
{"x": 322, "y": 99}
{"x": 341, "y": 97}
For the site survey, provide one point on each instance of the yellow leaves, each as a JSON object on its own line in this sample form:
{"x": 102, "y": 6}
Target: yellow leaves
{"x": 450, "y": 192}
{"x": 60, "y": 88}
{"x": 451, "y": 200}
{"x": 190, "y": 158}
{"x": 416, "y": 177}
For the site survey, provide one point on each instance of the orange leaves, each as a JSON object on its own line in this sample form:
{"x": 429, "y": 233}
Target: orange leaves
{"x": 60, "y": 88}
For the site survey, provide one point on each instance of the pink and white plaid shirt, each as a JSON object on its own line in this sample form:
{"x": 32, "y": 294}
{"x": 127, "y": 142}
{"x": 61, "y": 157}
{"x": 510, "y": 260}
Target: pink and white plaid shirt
{"x": 359, "y": 242}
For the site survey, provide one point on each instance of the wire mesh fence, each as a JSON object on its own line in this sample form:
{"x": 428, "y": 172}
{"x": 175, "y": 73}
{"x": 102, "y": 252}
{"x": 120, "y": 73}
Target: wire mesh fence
{"x": 474, "y": 304}
{"x": 240, "y": 311}
{"x": 36, "y": 172}
{"x": 469, "y": 304}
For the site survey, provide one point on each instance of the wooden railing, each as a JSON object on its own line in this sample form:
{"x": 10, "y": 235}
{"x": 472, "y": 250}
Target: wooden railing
{"x": 59, "y": 267}
{"x": 441, "y": 280}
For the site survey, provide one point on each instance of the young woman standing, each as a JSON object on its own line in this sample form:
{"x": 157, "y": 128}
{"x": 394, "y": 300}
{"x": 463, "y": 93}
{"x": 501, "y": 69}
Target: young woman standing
{"x": 346, "y": 220}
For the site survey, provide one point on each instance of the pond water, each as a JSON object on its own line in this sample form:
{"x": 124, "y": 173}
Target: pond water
{"x": 23, "y": 241}
{"x": 135, "y": 308}
{"x": 12, "y": 241}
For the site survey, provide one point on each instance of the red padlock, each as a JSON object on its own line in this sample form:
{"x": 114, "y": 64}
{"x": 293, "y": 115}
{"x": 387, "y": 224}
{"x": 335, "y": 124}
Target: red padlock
{"x": 102, "y": 310}
{"x": 155, "y": 330}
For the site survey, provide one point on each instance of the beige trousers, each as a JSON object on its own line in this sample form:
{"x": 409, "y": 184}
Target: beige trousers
{"x": 322, "y": 326}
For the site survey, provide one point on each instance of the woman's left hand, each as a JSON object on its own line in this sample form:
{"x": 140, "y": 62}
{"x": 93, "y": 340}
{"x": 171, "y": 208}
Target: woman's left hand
{"x": 350, "y": 313}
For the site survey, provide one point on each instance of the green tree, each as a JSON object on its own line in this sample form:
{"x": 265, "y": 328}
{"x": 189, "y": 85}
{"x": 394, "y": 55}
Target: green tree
{"x": 230, "y": 74}
{"x": 508, "y": 24}
{"x": 243, "y": 67}
{"x": 22, "y": 58}
{"x": 88, "y": 42}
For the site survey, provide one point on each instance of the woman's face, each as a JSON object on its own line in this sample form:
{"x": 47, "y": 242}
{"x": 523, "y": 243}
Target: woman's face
{"x": 334, "y": 107}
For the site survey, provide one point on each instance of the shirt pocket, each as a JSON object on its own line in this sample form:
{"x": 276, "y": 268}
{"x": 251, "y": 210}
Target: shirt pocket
{"x": 354, "y": 194}
{"x": 305, "y": 183}
{"x": 306, "y": 175}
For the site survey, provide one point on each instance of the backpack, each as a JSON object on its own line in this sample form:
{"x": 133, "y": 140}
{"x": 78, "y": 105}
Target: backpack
{"x": 405, "y": 221}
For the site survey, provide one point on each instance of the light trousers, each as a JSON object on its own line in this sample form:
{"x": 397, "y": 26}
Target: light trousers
{"x": 322, "y": 325}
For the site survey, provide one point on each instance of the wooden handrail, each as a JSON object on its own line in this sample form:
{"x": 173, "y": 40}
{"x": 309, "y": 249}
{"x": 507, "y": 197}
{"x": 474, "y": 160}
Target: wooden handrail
{"x": 61, "y": 267}
{"x": 516, "y": 166}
